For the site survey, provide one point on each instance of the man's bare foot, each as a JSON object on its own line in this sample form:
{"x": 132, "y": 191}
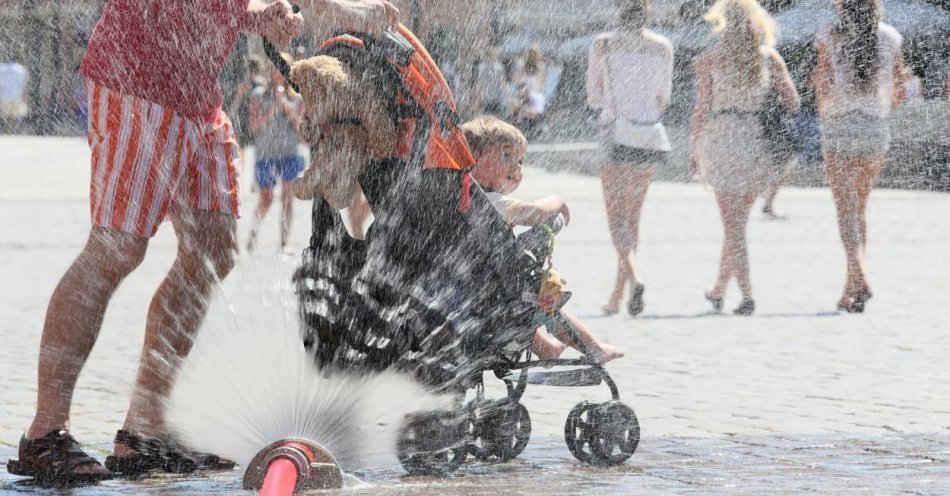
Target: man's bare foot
{"x": 605, "y": 353}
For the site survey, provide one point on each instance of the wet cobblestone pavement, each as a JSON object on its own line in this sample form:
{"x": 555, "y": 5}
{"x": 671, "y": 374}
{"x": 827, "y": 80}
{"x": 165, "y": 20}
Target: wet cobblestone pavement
{"x": 796, "y": 399}
{"x": 912, "y": 464}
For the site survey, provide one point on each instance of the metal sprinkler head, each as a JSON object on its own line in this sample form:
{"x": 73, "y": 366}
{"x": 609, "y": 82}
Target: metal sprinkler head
{"x": 294, "y": 465}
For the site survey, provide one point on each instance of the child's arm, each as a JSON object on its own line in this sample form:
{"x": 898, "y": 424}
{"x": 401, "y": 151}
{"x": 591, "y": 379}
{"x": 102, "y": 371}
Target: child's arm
{"x": 538, "y": 212}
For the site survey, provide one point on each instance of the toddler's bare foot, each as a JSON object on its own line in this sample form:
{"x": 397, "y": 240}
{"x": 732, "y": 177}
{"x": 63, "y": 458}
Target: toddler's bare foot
{"x": 605, "y": 353}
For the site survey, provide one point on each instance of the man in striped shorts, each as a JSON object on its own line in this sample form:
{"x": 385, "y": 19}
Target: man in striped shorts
{"x": 161, "y": 149}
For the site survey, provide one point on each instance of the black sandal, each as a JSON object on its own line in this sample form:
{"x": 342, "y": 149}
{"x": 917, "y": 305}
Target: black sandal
{"x": 155, "y": 454}
{"x": 151, "y": 455}
{"x": 54, "y": 459}
{"x": 745, "y": 309}
{"x": 635, "y": 304}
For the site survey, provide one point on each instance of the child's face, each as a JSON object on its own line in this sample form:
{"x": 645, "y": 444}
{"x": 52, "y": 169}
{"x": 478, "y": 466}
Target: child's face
{"x": 499, "y": 168}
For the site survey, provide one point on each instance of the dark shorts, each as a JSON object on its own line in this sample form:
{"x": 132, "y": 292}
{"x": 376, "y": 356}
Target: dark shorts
{"x": 624, "y": 155}
{"x": 267, "y": 170}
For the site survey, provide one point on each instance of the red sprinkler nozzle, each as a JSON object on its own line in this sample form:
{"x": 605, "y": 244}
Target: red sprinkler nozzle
{"x": 287, "y": 467}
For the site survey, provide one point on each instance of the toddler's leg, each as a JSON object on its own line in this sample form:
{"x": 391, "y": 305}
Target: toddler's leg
{"x": 546, "y": 347}
{"x": 597, "y": 350}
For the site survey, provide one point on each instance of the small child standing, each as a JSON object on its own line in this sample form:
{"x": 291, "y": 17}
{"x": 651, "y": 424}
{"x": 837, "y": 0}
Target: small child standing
{"x": 499, "y": 149}
{"x": 275, "y": 112}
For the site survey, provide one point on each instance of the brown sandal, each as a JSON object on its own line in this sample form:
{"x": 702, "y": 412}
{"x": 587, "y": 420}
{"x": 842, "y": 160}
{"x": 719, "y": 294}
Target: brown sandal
{"x": 56, "y": 458}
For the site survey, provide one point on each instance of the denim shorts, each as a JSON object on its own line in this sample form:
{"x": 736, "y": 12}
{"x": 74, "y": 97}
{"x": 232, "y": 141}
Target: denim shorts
{"x": 266, "y": 171}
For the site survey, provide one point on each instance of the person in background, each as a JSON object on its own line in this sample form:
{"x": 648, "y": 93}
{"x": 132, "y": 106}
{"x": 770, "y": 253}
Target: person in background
{"x": 490, "y": 85}
{"x": 240, "y": 104}
{"x": 728, "y": 143}
{"x": 630, "y": 78}
{"x": 14, "y": 106}
{"x": 531, "y": 101}
{"x": 275, "y": 113}
{"x": 860, "y": 78}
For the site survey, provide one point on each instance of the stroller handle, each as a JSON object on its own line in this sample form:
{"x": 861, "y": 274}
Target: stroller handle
{"x": 274, "y": 55}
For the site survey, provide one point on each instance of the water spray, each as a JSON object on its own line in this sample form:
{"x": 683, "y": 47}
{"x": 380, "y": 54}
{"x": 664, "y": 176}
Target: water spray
{"x": 291, "y": 466}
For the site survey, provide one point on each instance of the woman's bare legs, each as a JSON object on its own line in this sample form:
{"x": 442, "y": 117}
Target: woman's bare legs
{"x": 775, "y": 184}
{"x": 851, "y": 181}
{"x": 263, "y": 206}
{"x": 600, "y": 352}
{"x": 625, "y": 190}
{"x": 734, "y": 261}
{"x": 287, "y": 204}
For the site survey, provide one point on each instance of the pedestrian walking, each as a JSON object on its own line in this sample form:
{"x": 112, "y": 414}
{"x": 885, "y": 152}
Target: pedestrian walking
{"x": 860, "y": 78}
{"x": 161, "y": 146}
{"x": 531, "y": 101}
{"x": 735, "y": 76}
{"x": 275, "y": 113}
{"x": 630, "y": 80}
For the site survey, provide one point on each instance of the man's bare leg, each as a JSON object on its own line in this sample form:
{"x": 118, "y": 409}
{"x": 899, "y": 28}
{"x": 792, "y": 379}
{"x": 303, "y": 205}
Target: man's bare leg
{"x": 206, "y": 252}
{"x": 73, "y": 320}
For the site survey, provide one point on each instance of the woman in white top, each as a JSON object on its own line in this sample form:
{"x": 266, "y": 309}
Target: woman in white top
{"x": 860, "y": 77}
{"x": 629, "y": 79}
{"x": 734, "y": 76}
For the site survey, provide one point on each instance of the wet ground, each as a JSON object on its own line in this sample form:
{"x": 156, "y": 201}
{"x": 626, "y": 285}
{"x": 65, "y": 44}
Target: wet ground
{"x": 797, "y": 399}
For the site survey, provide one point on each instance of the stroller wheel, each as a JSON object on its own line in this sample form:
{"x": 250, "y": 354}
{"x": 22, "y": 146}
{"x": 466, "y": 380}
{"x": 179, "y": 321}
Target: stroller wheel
{"x": 433, "y": 443}
{"x": 605, "y": 434}
{"x": 500, "y": 429}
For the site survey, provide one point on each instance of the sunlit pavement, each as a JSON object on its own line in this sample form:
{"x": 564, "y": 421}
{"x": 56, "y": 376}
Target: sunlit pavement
{"x": 797, "y": 398}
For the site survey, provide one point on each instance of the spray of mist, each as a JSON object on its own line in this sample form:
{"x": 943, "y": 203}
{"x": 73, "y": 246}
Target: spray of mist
{"x": 249, "y": 382}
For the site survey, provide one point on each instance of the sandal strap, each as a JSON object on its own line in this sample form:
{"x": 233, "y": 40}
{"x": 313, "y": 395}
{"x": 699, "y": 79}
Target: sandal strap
{"x": 57, "y": 453}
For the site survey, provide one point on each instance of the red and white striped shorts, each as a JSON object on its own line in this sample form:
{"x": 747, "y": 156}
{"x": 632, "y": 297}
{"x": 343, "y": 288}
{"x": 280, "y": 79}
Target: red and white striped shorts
{"x": 145, "y": 156}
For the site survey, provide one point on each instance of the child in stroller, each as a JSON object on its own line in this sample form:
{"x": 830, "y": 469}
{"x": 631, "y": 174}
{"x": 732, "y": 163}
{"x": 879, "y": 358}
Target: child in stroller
{"x": 499, "y": 149}
{"x": 440, "y": 288}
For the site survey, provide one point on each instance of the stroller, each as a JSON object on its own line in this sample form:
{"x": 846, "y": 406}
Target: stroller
{"x": 442, "y": 289}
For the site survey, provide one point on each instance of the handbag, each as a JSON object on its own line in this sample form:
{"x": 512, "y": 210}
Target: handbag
{"x": 640, "y": 135}
{"x": 779, "y": 125}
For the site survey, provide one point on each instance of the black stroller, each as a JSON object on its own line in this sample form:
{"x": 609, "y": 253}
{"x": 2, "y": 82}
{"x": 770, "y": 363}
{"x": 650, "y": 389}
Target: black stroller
{"x": 445, "y": 296}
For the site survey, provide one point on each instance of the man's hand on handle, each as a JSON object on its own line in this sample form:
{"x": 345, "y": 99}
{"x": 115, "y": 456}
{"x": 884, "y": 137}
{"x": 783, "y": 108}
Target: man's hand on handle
{"x": 274, "y": 21}
{"x": 326, "y": 17}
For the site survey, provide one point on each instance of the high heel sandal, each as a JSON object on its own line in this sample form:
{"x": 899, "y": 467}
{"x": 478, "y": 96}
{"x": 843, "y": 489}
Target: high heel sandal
{"x": 635, "y": 304}
{"x": 862, "y": 297}
{"x": 746, "y": 308}
{"x": 716, "y": 302}
{"x": 855, "y": 304}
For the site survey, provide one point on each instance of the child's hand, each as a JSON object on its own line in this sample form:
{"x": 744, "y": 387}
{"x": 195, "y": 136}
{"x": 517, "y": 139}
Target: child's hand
{"x": 566, "y": 213}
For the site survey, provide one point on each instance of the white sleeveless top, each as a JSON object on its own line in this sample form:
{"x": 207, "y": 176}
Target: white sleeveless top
{"x": 628, "y": 73}
{"x": 846, "y": 97}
